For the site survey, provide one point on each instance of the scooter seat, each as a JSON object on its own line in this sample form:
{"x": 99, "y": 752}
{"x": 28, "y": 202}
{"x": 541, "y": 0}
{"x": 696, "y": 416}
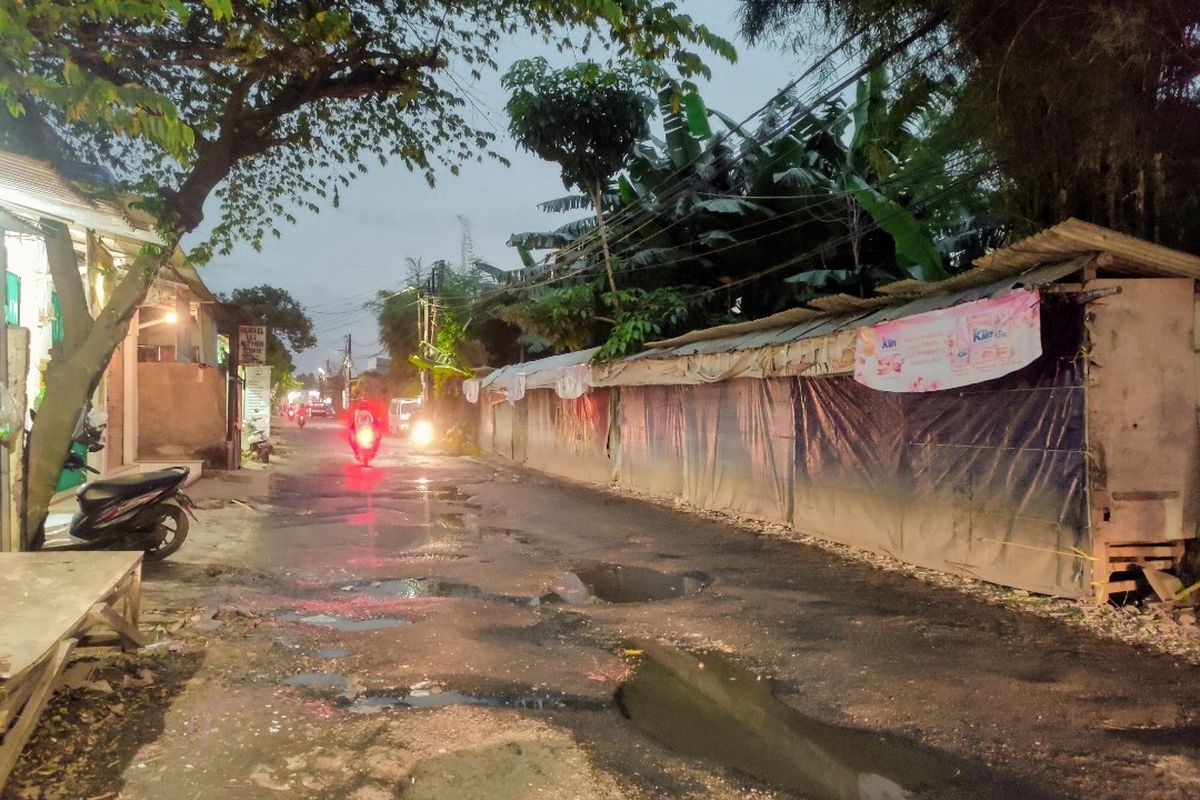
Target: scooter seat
{"x": 130, "y": 485}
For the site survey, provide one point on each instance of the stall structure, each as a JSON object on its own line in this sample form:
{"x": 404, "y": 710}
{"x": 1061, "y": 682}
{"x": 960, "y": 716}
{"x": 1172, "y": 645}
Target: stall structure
{"x": 1031, "y": 421}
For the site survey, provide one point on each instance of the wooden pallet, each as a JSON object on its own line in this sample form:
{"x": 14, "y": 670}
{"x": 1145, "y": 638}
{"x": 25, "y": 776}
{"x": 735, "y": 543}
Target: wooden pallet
{"x": 1117, "y": 557}
{"x": 51, "y": 602}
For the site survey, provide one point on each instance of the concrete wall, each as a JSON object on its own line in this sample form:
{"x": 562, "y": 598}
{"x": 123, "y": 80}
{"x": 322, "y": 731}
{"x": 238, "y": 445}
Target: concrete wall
{"x": 181, "y": 413}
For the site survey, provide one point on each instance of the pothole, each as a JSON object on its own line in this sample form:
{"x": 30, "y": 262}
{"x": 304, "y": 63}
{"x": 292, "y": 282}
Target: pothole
{"x": 435, "y": 698}
{"x": 415, "y": 588}
{"x": 616, "y": 583}
{"x": 324, "y": 680}
{"x": 344, "y": 623}
{"x": 412, "y": 588}
{"x": 705, "y": 706}
{"x": 332, "y": 653}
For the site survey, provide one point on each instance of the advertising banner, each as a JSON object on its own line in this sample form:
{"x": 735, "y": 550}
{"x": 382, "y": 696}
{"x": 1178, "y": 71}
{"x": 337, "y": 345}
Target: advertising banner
{"x": 958, "y": 346}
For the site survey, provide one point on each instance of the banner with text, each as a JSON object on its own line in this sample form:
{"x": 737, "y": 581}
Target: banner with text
{"x": 958, "y": 346}
{"x": 252, "y": 344}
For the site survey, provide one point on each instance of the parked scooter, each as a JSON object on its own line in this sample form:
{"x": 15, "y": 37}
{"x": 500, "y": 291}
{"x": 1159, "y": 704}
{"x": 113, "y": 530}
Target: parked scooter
{"x": 146, "y": 512}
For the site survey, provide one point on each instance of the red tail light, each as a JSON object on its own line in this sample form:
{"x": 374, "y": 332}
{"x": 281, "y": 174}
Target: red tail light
{"x": 365, "y": 436}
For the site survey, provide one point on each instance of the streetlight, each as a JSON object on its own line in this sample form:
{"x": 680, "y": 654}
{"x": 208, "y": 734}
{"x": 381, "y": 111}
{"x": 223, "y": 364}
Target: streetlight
{"x": 169, "y": 318}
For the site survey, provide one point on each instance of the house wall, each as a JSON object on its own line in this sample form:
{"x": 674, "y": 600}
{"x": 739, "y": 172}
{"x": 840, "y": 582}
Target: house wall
{"x": 181, "y": 413}
{"x": 27, "y": 260}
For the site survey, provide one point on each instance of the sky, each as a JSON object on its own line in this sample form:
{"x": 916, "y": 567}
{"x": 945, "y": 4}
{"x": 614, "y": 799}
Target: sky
{"x": 334, "y": 261}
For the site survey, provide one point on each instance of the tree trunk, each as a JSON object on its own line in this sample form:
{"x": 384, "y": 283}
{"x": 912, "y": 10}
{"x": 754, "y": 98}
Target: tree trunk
{"x": 75, "y": 367}
{"x": 597, "y": 198}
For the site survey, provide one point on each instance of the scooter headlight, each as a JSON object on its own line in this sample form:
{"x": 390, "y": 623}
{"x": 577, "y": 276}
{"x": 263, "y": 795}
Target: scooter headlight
{"x": 422, "y": 434}
{"x": 365, "y": 437}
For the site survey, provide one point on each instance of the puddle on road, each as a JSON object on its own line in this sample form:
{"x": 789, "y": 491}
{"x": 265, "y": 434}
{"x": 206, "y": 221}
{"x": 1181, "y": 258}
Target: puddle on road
{"x": 333, "y": 653}
{"x": 323, "y": 680}
{"x": 452, "y": 521}
{"x": 615, "y": 583}
{"x": 343, "y": 623}
{"x": 430, "y": 699}
{"x": 415, "y": 588}
{"x": 412, "y": 588}
{"x": 707, "y": 707}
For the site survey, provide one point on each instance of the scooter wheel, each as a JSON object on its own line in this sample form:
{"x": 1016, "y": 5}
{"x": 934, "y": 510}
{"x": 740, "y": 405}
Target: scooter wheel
{"x": 169, "y": 533}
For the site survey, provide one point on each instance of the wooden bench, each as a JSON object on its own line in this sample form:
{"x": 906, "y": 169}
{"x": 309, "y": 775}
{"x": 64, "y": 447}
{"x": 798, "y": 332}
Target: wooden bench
{"x": 48, "y": 604}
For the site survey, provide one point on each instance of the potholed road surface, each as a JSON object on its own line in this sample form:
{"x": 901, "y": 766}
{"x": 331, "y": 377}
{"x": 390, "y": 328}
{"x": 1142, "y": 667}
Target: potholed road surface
{"x": 438, "y": 627}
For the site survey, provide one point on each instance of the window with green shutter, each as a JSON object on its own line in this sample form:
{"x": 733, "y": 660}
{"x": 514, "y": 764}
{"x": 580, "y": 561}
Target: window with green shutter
{"x": 12, "y": 308}
{"x": 57, "y": 329}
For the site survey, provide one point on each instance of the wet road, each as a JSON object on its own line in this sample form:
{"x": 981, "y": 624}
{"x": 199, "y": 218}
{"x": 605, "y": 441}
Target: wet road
{"x": 448, "y": 628}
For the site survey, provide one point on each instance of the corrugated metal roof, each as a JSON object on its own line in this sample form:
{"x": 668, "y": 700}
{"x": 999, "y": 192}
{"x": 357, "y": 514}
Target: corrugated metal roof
{"x": 500, "y": 377}
{"x": 1076, "y": 237}
{"x": 1064, "y": 242}
{"x": 29, "y": 186}
{"x": 831, "y": 324}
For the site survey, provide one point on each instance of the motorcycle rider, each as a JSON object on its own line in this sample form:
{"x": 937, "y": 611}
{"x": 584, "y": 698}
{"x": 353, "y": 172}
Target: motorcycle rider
{"x": 302, "y": 414}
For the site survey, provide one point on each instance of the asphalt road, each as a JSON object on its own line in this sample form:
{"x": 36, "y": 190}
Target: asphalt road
{"x": 437, "y": 627}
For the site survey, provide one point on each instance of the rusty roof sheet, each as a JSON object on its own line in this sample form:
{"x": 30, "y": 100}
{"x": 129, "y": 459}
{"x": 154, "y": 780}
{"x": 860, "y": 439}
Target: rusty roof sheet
{"x": 1067, "y": 241}
{"x": 828, "y": 324}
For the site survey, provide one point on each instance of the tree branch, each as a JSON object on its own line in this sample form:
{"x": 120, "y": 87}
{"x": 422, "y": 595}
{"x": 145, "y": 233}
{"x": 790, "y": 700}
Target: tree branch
{"x": 64, "y": 270}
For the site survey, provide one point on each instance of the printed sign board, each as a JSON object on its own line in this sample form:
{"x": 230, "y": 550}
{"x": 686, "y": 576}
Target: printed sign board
{"x": 252, "y": 344}
{"x": 958, "y": 346}
{"x": 256, "y": 403}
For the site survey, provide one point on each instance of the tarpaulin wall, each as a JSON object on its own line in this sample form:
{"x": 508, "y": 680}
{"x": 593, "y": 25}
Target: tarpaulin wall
{"x": 569, "y": 437}
{"x": 724, "y": 446}
{"x": 987, "y": 481}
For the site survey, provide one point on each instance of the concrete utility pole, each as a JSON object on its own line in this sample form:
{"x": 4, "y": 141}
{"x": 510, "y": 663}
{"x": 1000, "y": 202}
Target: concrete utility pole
{"x": 347, "y": 370}
{"x": 427, "y": 321}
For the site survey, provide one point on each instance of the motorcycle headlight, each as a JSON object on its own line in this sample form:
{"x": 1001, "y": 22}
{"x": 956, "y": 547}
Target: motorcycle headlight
{"x": 422, "y": 434}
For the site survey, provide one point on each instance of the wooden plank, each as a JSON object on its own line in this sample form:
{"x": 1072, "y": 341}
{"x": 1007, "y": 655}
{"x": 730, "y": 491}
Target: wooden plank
{"x": 1142, "y": 460}
{"x": 1129, "y": 551}
{"x": 16, "y": 736}
{"x": 48, "y": 596}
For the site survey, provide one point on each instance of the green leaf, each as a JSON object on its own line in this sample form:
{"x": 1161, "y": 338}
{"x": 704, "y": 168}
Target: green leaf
{"x": 221, "y": 9}
{"x": 697, "y": 116}
{"x": 913, "y": 242}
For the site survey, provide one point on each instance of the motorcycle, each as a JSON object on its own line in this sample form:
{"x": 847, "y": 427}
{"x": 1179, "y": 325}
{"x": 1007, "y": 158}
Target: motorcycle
{"x": 146, "y": 512}
{"x": 364, "y": 437}
{"x": 302, "y": 415}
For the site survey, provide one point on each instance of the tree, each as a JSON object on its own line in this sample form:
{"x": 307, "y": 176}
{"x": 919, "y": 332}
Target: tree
{"x": 289, "y": 328}
{"x": 584, "y": 118}
{"x": 726, "y": 226}
{"x": 265, "y": 107}
{"x": 1091, "y": 107}
{"x": 467, "y": 336}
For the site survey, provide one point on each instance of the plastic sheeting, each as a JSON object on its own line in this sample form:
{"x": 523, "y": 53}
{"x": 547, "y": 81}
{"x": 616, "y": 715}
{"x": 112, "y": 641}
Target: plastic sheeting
{"x": 725, "y": 446}
{"x": 987, "y": 481}
{"x": 569, "y": 437}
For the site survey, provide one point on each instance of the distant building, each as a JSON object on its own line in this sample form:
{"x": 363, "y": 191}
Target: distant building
{"x": 379, "y": 364}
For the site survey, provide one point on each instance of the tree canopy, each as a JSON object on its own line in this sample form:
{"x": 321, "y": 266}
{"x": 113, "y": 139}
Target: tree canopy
{"x": 1090, "y": 106}
{"x": 721, "y": 222}
{"x": 282, "y": 104}
{"x": 289, "y": 328}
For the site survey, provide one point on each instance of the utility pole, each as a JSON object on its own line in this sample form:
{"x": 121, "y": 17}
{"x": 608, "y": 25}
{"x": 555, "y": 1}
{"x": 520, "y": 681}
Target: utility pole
{"x": 427, "y": 321}
{"x": 347, "y": 369}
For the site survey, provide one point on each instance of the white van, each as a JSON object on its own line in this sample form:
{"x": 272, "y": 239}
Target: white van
{"x": 400, "y": 413}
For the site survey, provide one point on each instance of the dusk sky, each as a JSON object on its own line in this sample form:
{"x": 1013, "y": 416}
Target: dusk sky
{"x": 333, "y": 261}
